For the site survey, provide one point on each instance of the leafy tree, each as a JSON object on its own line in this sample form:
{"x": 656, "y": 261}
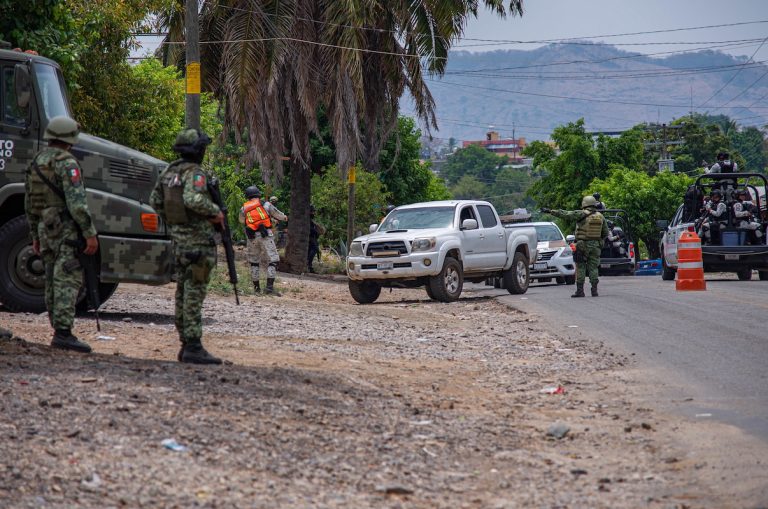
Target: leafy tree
{"x": 749, "y": 143}
{"x": 436, "y": 189}
{"x": 645, "y": 198}
{"x": 329, "y": 196}
{"x": 469, "y": 188}
{"x": 404, "y": 176}
{"x": 473, "y": 161}
{"x": 540, "y": 152}
{"x": 509, "y": 190}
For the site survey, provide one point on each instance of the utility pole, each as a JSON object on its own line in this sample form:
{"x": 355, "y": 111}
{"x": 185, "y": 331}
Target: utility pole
{"x": 192, "y": 28}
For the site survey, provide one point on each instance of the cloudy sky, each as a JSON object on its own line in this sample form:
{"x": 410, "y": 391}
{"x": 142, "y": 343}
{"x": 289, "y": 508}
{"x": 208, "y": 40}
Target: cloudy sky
{"x": 559, "y": 19}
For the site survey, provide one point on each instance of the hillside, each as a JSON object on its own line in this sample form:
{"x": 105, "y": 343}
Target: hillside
{"x": 535, "y": 90}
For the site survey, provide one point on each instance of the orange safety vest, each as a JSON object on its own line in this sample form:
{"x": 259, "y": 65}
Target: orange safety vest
{"x": 256, "y": 215}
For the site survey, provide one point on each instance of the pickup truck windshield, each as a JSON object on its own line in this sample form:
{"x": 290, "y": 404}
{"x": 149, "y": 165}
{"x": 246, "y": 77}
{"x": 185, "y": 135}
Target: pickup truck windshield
{"x": 418, "y": 219}
{"x": 52, "y": 95}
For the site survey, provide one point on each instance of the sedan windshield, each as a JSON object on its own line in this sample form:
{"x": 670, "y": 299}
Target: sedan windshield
{"x": 52, "y": 95}
{"x": 418, "y": 219}
{"x": 548, "y": 233}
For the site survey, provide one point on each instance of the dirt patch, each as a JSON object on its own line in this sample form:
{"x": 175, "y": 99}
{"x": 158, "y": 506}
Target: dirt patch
{"x": 404, "y": 403}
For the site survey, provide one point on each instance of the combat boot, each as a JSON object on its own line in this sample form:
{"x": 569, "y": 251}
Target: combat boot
{"x": 579, "y": 290}
{"x": 194, "y": 353}
{"x": 271, "y": 288}
{"x": 64, "y": 339}
{"x": 256, "y": 287}
{"x": 594, "y": 290}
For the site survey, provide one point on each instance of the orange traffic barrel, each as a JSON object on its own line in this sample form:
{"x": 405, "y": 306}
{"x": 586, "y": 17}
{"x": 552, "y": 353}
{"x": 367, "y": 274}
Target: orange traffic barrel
{"x": 690, "y": 268}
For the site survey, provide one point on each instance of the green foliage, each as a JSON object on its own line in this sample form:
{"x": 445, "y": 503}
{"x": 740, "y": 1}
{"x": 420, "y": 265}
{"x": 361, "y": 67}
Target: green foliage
{"x": 469, "y": 188}
{"x": 703, "y": 140}
{"x": 436, "y": 189}
{"x": 473, "y": 161}
{"x": 405, "y": 177}
{"x": 509, "y": 191}
{"x": 750, "y": 144}
{"x": 329, "y": 196}
{"x": 645, "y": 198}
{"x": 540, "y": 152}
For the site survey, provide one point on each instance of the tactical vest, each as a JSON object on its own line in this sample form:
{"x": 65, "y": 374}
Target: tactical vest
{"x": 726, "y": 166}
{"x": 41, "y": 196}
{"x": 590, "y": 227}
{"x": 256, "y": 215}
{"x": 173, "y": 192}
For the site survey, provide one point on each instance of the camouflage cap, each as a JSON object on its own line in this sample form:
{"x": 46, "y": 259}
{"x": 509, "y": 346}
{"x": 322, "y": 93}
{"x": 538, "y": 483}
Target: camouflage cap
{"x": 63, "y": 129}
{"x": 192, "y": 136}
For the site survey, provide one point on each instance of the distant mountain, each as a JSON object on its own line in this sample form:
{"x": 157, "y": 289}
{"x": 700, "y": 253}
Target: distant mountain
{"x": 534, "y": 91}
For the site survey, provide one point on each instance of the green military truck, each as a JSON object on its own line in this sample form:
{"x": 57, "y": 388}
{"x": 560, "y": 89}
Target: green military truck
{"x": 134, "y": 246}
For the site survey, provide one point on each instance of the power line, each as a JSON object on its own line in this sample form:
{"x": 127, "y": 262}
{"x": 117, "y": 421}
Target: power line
{"x": 494, "y": 42}
{"x": 734, "y": 75}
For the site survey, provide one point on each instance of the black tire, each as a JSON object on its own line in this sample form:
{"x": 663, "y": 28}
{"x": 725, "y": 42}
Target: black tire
{"x": 429, "y": 292}
{"x": 570, "y": 280}
{"x": 667, "y": 274}
{"x": 744, "y": 274}
{"x": 517, "y": 278}
{"x": 763, "y": 275}
{"x": 106, "y": 290}
{"x": 22, "y": 276}
{"x": 364, "y": 292}
{"x": 560, "y": 280}
{"x": 447, "y": 285}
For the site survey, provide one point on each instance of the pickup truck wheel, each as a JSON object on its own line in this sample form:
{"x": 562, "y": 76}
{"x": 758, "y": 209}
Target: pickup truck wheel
{"x": 570, "y": 280}
{"x": 667, "y": 274}
{"x": 429, "y": 292}
{"x": 517, "y": 279}
{"x": 446, "y": 286}
{"x": 763, "y": 275}
{"x": 364, "y": 292}
{"x": 744, "y": 275}
{"x": 22, "y": 275}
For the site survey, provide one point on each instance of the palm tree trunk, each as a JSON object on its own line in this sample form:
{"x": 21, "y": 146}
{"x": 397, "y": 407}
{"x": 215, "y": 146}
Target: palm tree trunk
{"x": 298, "y": 231}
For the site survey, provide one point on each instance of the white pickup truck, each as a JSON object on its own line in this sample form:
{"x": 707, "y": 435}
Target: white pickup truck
{"x": 439, "y": 245}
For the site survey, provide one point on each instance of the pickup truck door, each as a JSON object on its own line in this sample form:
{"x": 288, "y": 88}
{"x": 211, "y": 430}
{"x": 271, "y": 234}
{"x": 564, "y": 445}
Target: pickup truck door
{"x": 494, "y": 248}
{"x": 472, "y": 241}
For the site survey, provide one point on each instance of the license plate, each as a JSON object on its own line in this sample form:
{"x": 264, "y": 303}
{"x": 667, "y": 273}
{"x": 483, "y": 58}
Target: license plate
{"x": 540, "y": 266}
{"x": 731, "y": 257}
{"x": 385, "y": 265}
{"x": 605, "y": 265}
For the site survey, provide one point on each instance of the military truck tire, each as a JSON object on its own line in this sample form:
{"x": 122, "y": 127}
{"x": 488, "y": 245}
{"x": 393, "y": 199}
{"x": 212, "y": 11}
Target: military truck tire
{"x": 364, "y": 292}
{"x": 667, "y": 274}
{"x": 447, "y": 285}
{"x": 763, "y": 275}
{"x": 22, "y": 276}
{"x": 106, "y": 290}
{"x": 517, "y": 278}
{"x": 744, "y": 275}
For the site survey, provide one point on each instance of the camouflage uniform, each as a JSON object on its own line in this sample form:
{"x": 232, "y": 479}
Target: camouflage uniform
{"x": 262, "y": 251}
{"x": 588, "y": 245}
{"x": 54, "y": 223}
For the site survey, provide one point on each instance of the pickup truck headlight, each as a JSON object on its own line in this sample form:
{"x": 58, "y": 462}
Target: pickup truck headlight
{"x": 356, "y": 248}
{"x": 424, "y": 244}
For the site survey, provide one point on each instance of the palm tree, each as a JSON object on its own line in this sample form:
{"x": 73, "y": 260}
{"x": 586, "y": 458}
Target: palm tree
{"x": 275, "y": 63}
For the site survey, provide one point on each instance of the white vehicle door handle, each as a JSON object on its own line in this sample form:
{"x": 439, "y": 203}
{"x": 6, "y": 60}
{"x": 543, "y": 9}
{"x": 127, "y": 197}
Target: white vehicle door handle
{"x": 481, "y": 236}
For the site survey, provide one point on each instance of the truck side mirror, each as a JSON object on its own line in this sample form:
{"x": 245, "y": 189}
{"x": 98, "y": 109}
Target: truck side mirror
{"x": 23, "y": 85}
{"x": 662, "y": 224}
{"x": 469, "y": 224}
{"x": 373, "y": 228}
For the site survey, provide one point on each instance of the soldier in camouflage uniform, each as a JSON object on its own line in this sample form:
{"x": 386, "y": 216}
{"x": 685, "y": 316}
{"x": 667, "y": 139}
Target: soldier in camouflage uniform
{"x": 182, "y": 200}
{"x": 57, "y": 212}
{"x": 591, "y": 231}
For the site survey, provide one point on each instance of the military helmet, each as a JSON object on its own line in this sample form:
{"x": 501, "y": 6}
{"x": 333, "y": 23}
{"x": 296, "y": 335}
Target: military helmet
{"x": 597, "y": 196}
{"x": 252, "y": 192}
{"x": 588, "y": 201}
{"x": 63, "y": 129}
{"x": 717, "y": 192}
{"x": 741, "y": 192}
{"x": 191, "y": 140}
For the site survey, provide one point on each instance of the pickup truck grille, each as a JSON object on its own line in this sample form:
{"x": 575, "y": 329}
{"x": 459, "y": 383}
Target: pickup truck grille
{"x": 546, "y": 255}
{"x": 385, "y": 249}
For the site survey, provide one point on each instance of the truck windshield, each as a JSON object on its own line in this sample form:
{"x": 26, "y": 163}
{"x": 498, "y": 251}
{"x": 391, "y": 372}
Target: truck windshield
{"x": 418, "y": 219}
{"x": 52, "y": 94}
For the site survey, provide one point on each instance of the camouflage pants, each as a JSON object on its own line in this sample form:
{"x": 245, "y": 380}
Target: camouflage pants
{"x": 262, "y": 251}
{"x": 194, "y": 266}
{"x": 63, "y": 278}
{"x": 589, "y": 260}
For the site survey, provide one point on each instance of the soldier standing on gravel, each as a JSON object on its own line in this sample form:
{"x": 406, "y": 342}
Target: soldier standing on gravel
{"x": 182, "y": 200}
{"x": 57, "y": 211}
{"x": 591, "y": 231}
{"x": 259, "y": 218}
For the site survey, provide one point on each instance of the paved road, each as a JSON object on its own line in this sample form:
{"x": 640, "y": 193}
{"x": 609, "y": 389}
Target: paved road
{"x": 711, "y": 346}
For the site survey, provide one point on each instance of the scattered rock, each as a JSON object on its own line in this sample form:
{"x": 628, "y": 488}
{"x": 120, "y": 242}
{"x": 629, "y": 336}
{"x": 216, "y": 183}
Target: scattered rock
{"x": 558, "y": 430}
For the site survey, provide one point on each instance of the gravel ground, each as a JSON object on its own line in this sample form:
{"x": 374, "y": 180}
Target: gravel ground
{"x": 406, "y": 403}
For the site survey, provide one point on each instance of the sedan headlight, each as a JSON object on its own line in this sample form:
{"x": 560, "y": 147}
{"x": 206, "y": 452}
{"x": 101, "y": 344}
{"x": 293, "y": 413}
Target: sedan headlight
{"x": 424, "y": 244}
{"x": 356, "y": 248}
{"x": 567, "y": 252}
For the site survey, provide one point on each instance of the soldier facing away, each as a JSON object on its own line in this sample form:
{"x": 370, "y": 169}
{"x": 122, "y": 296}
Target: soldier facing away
{"x": 182, "y": 200}
{"x": 57, "y": 212}
{"x": 259, "y": 218}
{"x": 591, "y": 231}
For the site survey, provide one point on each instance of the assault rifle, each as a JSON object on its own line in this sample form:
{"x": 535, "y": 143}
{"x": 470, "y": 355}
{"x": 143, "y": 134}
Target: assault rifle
{"x": 226, "y": 235}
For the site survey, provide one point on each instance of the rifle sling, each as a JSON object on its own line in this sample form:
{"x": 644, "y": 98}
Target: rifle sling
{"x": 59, "y": 192}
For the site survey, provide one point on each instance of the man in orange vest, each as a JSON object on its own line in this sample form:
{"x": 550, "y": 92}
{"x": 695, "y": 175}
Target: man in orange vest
{"x": 257, "y": 218}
